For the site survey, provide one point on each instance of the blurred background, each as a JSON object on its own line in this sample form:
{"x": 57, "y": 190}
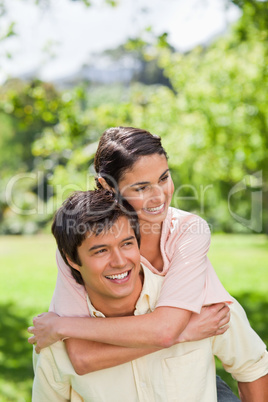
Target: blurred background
{"x": 194, "y": 73}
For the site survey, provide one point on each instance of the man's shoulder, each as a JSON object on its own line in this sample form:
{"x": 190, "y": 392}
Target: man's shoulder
{"x": 150, "y": 291}
{"x": 151, "y": 278}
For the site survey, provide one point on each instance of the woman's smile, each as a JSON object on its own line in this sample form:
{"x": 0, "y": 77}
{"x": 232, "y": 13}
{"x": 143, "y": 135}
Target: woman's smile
{"x": 155, "y": 210}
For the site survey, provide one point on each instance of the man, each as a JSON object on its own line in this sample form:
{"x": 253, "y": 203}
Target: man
{"x": 99, "y": 239}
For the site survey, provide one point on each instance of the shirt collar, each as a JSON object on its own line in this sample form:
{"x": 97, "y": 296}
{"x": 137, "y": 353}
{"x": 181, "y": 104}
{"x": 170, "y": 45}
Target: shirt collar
{"x": 149, "y": 295}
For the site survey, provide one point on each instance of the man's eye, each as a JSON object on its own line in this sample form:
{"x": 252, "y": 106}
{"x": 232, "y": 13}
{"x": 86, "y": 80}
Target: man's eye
{"x": 128, "y": 243}
{"x": 101, "y": 251}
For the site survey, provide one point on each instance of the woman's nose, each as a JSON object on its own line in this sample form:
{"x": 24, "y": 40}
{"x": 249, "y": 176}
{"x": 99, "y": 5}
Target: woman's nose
{"x": 156, "y": 193}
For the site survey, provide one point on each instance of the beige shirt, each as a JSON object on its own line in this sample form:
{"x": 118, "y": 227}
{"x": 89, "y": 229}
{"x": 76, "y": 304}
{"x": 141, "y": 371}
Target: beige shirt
{"x": 184, "y": 372}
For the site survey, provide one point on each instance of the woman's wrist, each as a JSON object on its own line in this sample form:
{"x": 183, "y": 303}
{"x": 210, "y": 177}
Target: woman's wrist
{"x": 60, "y": 329}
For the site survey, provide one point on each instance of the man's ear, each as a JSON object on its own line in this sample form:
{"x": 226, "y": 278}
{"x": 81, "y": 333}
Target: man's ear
{"x": 104, "y": 184}
{"x": 73, "y": 264}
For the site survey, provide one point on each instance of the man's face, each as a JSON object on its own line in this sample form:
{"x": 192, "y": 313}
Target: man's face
{"x": 110, "y": 265}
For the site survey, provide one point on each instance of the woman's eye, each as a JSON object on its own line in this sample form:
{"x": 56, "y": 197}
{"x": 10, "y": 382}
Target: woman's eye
{"x": 164, "y": 178}
{"x": 140, "y": 189}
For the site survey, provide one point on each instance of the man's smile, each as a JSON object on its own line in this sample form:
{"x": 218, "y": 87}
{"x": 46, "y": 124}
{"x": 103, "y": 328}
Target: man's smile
{"x": 121, "y": 276}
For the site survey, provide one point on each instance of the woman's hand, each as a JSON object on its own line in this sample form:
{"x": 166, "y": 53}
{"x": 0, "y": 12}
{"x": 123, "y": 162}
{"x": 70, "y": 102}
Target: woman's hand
{"x": 211, "y": 321}
{"x": 44, "y": 330}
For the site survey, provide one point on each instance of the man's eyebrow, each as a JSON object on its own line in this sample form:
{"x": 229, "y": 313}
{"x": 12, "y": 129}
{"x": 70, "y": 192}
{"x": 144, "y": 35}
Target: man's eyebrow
{"x": 106, "y": 245}
{"x": 147, "y": 182}
{"x": 97, "y": 246}
{"x": 128, "y": 238}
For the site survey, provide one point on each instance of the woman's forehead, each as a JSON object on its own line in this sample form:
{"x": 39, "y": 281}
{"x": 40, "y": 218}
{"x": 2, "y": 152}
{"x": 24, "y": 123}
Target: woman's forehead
{"x": 145, "y": 168}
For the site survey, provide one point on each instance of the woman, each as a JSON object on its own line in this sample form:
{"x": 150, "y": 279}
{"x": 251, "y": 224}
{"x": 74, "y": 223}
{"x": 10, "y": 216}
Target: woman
{"x": 174, "y": 243}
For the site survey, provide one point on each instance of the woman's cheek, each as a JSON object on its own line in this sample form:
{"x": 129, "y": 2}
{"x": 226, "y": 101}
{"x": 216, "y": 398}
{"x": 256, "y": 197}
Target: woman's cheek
{"x": 136, "y": 201}
{"x": 171, "y": 188}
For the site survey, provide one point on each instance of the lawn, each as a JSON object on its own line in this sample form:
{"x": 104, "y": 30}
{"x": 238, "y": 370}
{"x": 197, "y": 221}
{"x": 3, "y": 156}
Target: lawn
{"x": 28, "y": 277}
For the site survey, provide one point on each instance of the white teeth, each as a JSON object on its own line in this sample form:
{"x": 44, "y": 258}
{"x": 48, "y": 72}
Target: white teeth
{"x": 120, "y": 276}
{"x": 155, "y": 209}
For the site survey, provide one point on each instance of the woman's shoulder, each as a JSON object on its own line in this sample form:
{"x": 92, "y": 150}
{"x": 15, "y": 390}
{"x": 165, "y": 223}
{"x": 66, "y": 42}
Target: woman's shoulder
{"x": 182, "y": 229}
{"x": 177, "y": 216}
{"x": 179, "y": 224}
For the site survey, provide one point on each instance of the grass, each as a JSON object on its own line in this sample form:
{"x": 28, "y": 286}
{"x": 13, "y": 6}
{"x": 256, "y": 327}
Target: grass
{"x": 241, "y": 264}
{"x": 28, "y": 277}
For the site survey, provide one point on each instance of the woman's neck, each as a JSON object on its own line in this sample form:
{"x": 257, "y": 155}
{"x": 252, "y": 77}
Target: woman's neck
{"x": 150, "y": 229}
{"x": 150, "y": 245}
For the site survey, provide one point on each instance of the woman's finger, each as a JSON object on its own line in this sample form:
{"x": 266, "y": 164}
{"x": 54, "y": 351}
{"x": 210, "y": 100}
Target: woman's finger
{"x": 224, "y": 314}
{"x": 30, "y": 330}
{"x": 32, "y": 340}
{"x": 225, "y": 319}
{"x": 221, "y": 330}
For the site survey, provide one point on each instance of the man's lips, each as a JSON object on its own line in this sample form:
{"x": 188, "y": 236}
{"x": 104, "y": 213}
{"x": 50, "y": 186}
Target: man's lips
{"x": 120, "y": 276}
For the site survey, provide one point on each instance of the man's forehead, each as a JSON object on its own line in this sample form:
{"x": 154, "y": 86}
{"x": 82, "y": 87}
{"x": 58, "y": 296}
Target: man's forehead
{"x": 120, "y": 229}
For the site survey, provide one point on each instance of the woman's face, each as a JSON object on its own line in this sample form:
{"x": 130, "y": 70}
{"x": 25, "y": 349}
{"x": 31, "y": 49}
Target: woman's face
{"x": 148, "y": 187}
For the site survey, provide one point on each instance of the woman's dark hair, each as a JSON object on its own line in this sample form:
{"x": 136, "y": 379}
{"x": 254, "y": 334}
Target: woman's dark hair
{"x": 119, "y": 148}
{"x": 85, "y": 213}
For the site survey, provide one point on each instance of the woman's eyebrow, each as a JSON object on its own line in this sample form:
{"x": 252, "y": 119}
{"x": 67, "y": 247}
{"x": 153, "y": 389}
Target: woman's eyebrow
{"x": 163, "y": 174}
{"x": 139, "y": 183}
{"x": 147, "y": 182}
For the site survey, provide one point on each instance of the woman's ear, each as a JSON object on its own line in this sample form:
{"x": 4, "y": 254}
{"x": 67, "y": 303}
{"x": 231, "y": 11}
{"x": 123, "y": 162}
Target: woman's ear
{"x": 104, "y": 184}
{"x": 73, "y": 264}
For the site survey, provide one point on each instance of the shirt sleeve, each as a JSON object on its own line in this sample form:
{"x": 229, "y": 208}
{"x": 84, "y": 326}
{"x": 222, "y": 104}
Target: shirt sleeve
{"x": 69, "y": 298}
{"x": 185, "y": 282}
{"x": 45, "y": 386}
{"x": 242, "y": 352}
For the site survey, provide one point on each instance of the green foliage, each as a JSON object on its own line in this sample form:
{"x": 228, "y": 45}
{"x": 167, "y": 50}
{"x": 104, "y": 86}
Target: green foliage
{"x": 222, "y": 119}
{"x": 254, "y": 12}
{"x": 40, "y": 129}
{"x": 212, "y": 116}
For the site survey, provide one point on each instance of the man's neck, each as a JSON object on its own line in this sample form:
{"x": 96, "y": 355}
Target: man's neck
{"x": 117, "y": 307}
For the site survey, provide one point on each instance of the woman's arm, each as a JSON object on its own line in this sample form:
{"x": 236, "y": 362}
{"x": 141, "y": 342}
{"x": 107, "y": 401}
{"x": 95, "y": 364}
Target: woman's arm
{"x": 69, "y": 298}
{"x": 159, "y": 329}
{"x": 49, "y": 327}
{"x": 87, "y": 356}
{"x": 185, "y": 283}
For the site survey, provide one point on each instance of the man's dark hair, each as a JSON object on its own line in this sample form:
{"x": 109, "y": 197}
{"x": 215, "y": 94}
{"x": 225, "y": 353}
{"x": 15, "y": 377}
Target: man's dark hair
{"x": 86, "y": 212}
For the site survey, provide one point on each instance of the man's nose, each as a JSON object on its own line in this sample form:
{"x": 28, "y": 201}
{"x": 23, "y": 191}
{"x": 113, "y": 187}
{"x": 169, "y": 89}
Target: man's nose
{"x": 118, "y": 259}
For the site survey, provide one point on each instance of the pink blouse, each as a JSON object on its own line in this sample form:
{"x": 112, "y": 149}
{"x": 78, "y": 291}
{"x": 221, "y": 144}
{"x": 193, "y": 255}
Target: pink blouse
{"x": 190, "y": 280}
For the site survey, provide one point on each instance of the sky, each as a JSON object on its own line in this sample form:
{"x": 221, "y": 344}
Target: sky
{"x": 56, "y": 41}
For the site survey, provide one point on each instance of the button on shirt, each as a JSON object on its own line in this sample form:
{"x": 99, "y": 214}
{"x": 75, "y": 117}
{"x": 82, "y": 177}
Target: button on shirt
{"x": 183, "y": 372}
